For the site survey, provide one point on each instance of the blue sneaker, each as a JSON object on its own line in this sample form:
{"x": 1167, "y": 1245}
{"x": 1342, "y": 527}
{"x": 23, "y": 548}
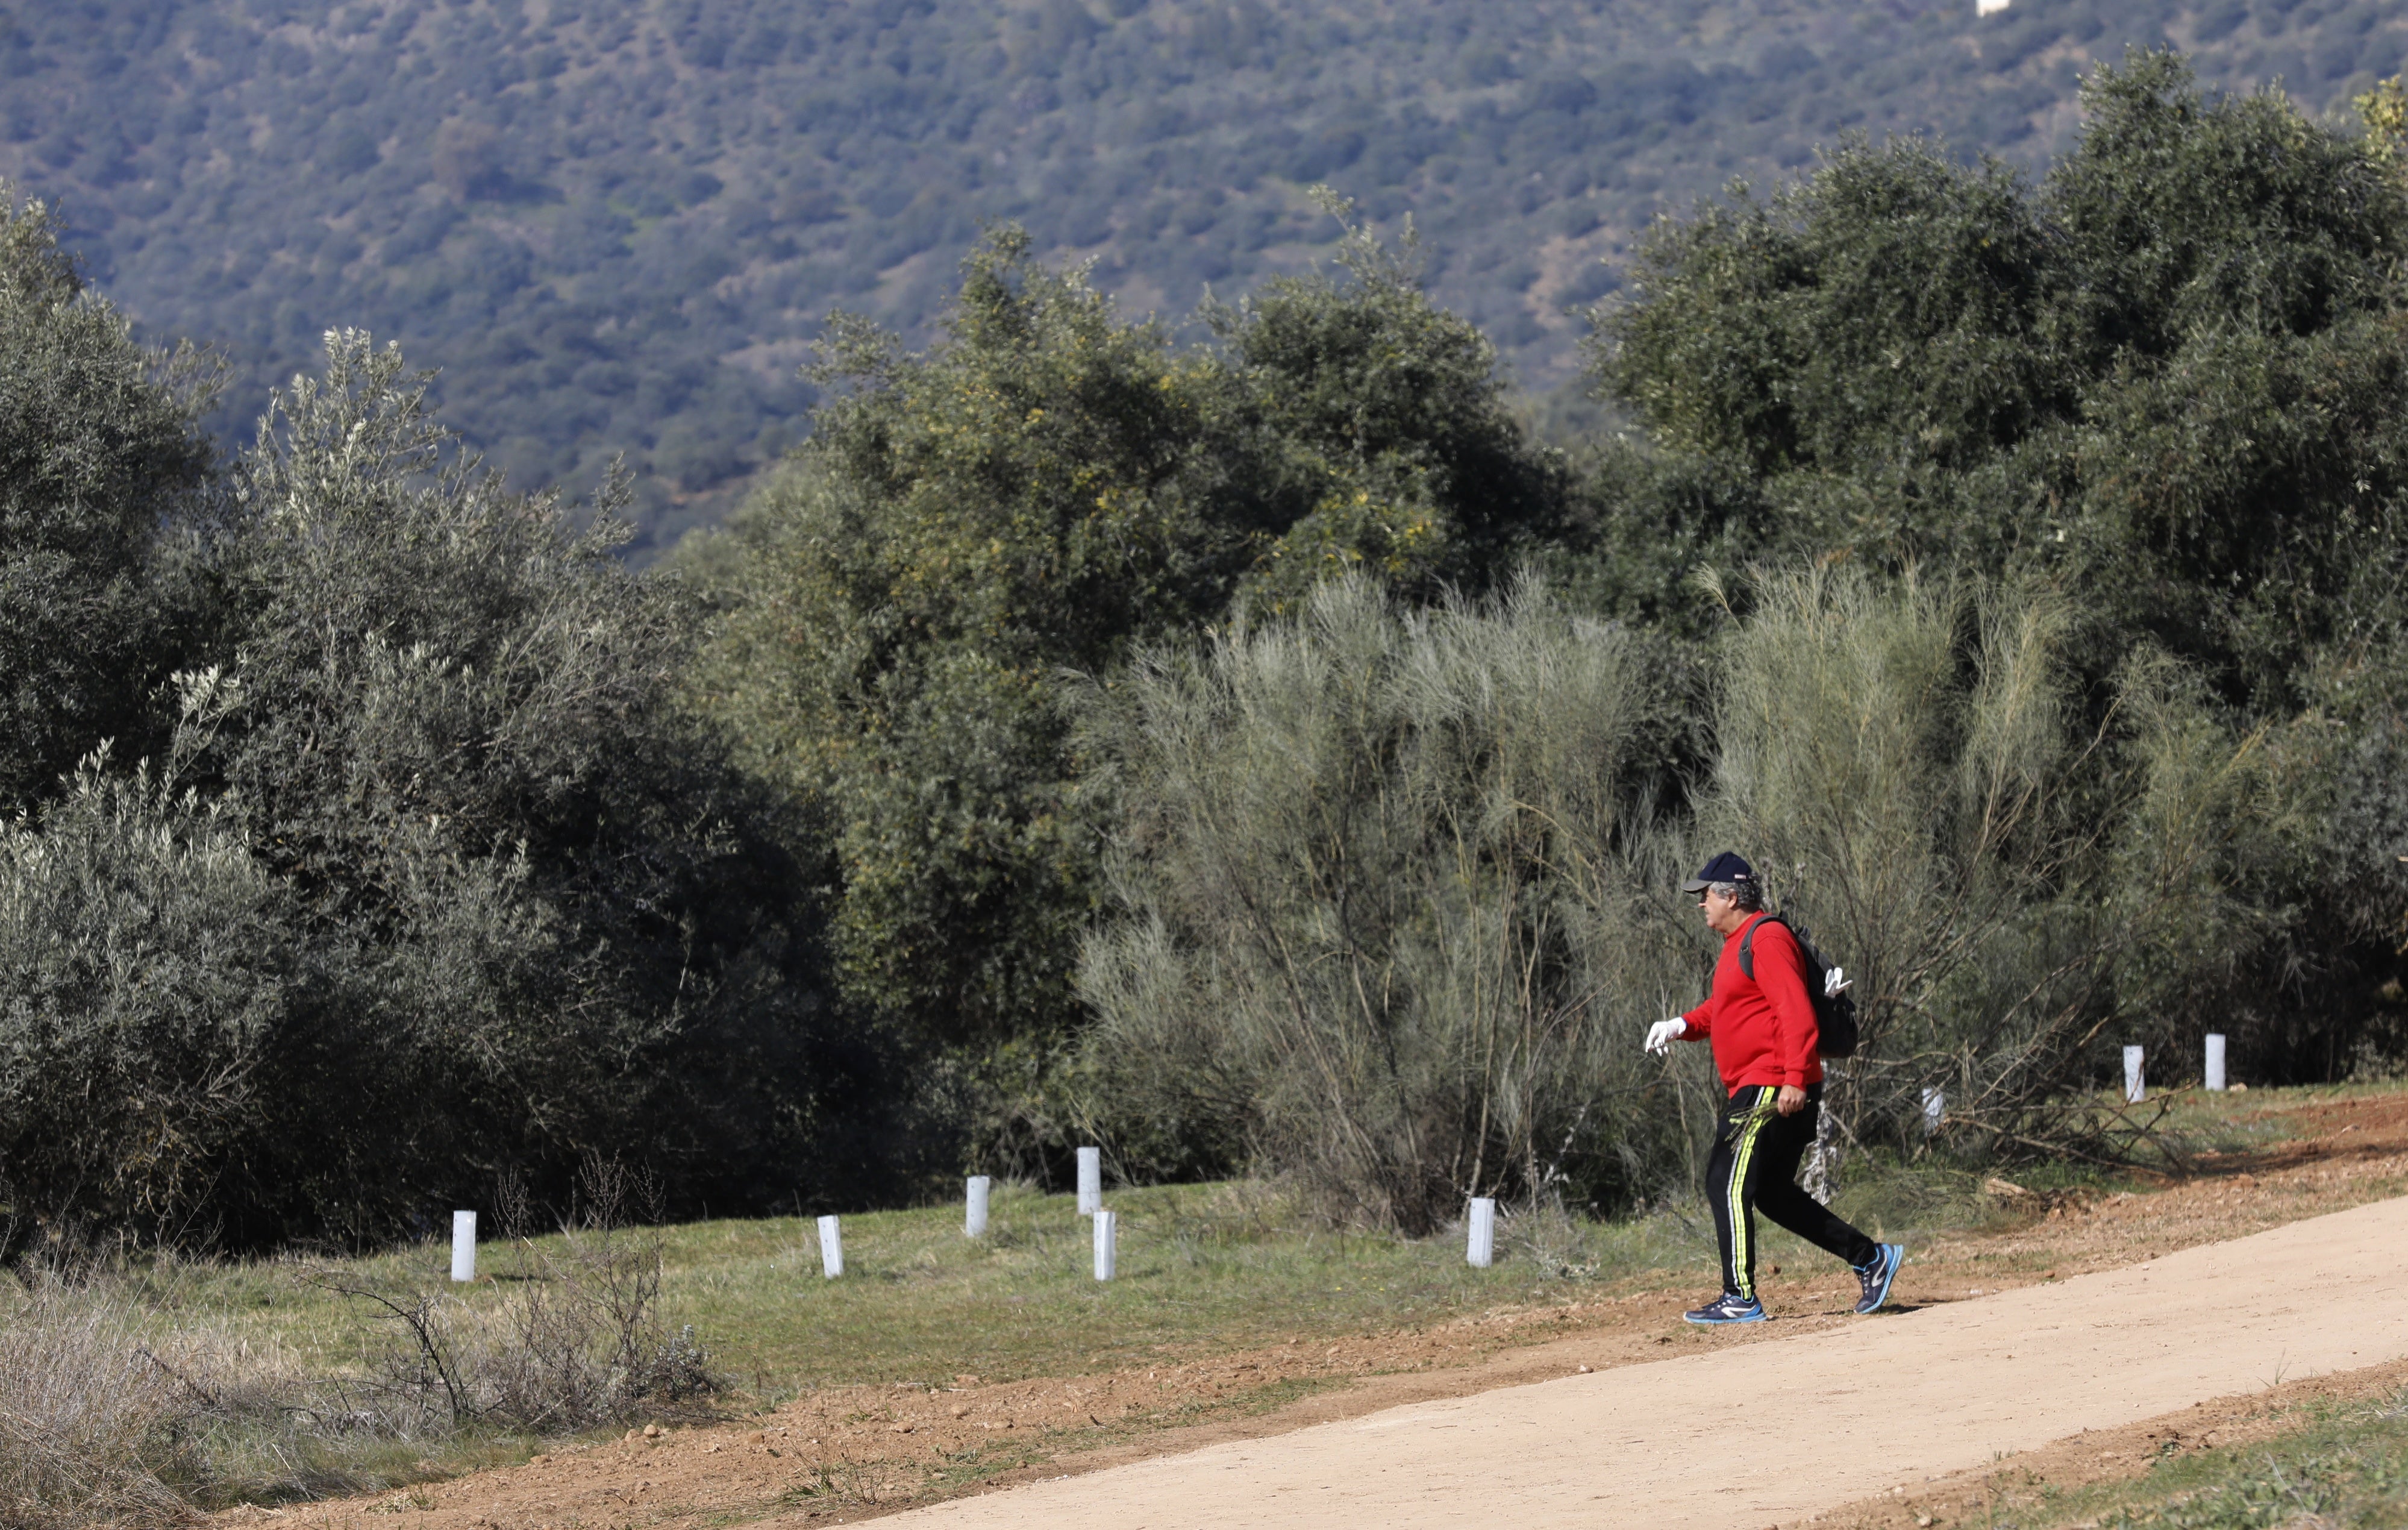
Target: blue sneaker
{"x": 1877, "y": 1276}
{"x": 1730, "y": 1309}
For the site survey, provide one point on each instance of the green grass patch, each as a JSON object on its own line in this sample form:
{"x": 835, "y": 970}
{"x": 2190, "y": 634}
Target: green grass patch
{"x": 2342, "y": 1464}
{"x": 1201, "y": 1267}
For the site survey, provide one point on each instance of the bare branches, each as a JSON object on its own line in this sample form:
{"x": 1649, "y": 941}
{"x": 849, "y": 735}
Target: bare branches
{"x": 578, "y": 1341}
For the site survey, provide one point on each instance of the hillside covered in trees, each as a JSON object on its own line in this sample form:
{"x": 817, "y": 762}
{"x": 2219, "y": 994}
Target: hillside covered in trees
{"x": 616, "y": 224}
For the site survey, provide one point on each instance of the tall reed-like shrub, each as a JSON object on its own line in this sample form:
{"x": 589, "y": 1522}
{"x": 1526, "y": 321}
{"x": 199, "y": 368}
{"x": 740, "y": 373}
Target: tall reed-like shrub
{"x": 1393, "y": 889}
{"x": 2019, "y": 883}
{"x": 1895, "y": 759}
{"x": 1389, "y": 909}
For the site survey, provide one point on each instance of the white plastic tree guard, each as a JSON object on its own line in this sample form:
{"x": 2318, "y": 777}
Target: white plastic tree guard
{"x": 464, "y": 1246}
{"x": 1090, "y": 1181}
{"x": 2215, "y": 1061}
{"x": 1935, "y": 1109}
{"x": 2136, "y": 1081}
{"x": 1480, "y": 1229}
{"x": 1107, "y": 1239}
{"x": 974, "y": 1213}
{"x": 831, "y": 1248}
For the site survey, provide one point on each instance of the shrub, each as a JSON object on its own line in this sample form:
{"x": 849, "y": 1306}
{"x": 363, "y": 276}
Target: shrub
{"x": 579, "y": 1342}
{"x": 2018, "y": 888}
{"x": 154, "y": 977}
{"x": 1390, "y": 896}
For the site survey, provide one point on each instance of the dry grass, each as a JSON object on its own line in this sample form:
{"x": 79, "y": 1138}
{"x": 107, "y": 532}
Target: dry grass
{"x": 577, "y": 1341}
{"x": 120, "y": 1408}
{"x": 131, "y": 1396}
{"x": 86, "y": 1413}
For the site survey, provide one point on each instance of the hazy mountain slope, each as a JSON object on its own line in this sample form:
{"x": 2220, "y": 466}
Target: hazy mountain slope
{"x": 615, "y": 224}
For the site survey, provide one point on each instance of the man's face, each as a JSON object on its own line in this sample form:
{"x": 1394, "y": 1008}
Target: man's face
{"x": 1722, "y": 911}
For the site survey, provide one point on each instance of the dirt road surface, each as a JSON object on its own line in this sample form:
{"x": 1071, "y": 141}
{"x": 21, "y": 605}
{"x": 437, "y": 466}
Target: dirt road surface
{"x": 1765, "y": 1434}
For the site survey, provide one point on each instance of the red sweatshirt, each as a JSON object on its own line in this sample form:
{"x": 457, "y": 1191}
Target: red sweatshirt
{"x": 1762, "y": 1026}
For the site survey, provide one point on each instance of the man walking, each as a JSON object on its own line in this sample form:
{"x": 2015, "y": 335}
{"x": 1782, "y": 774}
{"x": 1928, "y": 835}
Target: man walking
{"x": 1763, "y": 1031}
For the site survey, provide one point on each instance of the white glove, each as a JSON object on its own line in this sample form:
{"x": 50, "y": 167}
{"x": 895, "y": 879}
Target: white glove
{"x": 1663, "y": 1034}
{"x": 1833, "y": 984}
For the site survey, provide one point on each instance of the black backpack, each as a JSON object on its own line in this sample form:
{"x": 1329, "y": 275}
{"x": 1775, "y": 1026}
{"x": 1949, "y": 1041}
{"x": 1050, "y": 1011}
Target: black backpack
{"x": 1835, "y": 1017}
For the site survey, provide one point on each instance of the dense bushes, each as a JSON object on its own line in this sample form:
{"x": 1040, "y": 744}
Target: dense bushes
{"x": 1051, "y": 485}
{"x": 426, "y": 877}
{"x": 2164, "y": 383}
{"x": 2065, "y": 657}
{"x": 152, "y": 975}
{"x": 525, "y": 886}
{"x": 1394, "y": 891}
{"x": 2050, "y": 739}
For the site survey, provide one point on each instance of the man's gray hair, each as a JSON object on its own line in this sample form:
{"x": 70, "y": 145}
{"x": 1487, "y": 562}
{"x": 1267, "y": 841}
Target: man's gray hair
{"x": 1747, "y": 895}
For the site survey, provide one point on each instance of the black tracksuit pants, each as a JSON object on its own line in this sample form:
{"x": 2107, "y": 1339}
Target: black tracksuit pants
{"x": 1755, "y": 1167}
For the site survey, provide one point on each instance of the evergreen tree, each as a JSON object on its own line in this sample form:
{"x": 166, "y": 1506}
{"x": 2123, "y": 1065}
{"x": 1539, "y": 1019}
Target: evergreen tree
{"x": 98, "y": 450}
{"x": 1028, "y": 500}
{"x": 431, "y": 879}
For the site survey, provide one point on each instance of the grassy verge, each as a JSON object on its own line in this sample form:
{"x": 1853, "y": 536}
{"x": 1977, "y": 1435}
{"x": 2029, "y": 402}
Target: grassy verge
{"x": 1203, "y": 1267}
{"x": 2339, "y": 1463}
{"x": 1222, "y": 1265}
{"x": 1228, "y": 1265}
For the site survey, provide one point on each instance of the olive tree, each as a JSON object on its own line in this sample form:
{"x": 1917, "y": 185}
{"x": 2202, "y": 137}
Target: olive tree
{"x": 98, "y": 451}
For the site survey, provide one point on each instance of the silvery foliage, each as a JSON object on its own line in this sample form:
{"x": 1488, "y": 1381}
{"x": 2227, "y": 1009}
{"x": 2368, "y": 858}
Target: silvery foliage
{"x": 1394, "y": 902}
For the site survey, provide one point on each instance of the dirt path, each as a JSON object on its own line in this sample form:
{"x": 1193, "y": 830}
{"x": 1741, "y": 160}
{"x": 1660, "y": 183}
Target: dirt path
{"x": 1763, "y": 1434}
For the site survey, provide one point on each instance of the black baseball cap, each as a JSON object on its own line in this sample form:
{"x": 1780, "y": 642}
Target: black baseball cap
{"x": 1727, "y": 867}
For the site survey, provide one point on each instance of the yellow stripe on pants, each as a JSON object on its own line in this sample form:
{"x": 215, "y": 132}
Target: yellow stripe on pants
{"x": 1751, "y": 1127}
